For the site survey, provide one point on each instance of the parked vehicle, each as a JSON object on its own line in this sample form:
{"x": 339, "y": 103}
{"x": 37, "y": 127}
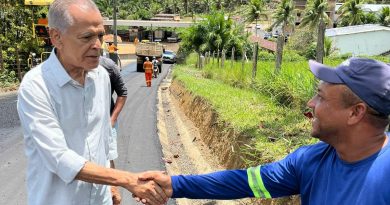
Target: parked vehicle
{"x": 267, "y": 36}
{"x": 159, "y": 35}
{"x": 169, "y": 57}
{"x": 172, "y": 40}
{"x": 150, "y": 50}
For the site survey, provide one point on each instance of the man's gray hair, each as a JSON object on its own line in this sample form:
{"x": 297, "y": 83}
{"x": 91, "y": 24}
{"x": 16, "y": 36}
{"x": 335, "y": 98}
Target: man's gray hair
{"x": 59, "y": 16}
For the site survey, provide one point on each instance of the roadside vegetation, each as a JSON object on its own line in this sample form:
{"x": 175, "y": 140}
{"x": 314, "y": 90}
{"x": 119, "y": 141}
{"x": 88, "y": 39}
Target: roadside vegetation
{"x": 275, "y": 130}
{"x": 255, "y": 96}
{"x": 270, "y": 109}
{"x": 17, "y": 43}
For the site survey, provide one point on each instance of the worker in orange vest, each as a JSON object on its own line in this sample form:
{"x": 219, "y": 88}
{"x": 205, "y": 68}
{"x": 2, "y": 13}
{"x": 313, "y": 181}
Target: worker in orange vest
{"x": 43, "y": 20}
{"x": 148, "y": 68}
{"x": 136, "y": 41}
{"x": 112, "y": 52}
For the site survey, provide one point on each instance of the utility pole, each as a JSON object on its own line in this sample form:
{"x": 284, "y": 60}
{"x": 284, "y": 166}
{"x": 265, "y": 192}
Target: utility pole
{"x": 115, "y": 31}
{"x": 152, "y": 33}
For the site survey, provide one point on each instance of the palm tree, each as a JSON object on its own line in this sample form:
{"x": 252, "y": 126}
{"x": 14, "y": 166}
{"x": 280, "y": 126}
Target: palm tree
{"x": 351, "y": 13}
{"x": 105, "y": 7}
{"x": 384, "y": 16}
{"x": 219, "y": 33}
{"x": 371, "y": 18}
{"x": 328, "y": 46}
{"x": 194, "y": 38}
{"x": 253, "y": 12}
{"x": 315, "y": 14}
{"x": 285, "y": 16}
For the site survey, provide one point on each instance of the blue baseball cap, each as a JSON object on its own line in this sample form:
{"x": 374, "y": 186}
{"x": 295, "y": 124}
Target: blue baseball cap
{"x": 369, "y": 79}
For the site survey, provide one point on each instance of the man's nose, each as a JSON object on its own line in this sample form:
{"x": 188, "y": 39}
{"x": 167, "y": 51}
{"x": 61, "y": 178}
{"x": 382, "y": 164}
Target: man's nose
{"x": 97, "y": 44}
{"x": 310, "y": 103}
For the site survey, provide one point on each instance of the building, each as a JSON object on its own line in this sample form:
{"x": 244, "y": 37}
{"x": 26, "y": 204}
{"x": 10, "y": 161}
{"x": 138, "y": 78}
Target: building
{"x": 368, "y": 39}
{"x": 300, "y": 6}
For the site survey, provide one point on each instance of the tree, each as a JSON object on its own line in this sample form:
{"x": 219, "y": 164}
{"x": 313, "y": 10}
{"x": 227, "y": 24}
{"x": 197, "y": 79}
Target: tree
{"x": 351, "y": 13}
{"x": 315, "y": 14}
{"x": 105, "y": 7}
{"x": 285, "y": 16}
{"x": 16, "y": 35}
{"x": 219, "y": 28}
{"x": 371, "y": 18}
{"x": 328, "y": 44}
{"x": 194, "y": 38}
{"x": 384, "y": 16}
{"x": 215, "y": 33}
{"x": 253, "y": 12}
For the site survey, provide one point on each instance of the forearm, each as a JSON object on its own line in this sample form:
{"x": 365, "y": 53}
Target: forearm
{"x": 93, "y": 173}
{"x": 119, "y": 104}
{"x": 231, "y": 184}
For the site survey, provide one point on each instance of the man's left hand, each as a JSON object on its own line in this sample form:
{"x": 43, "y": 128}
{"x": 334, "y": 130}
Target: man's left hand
{"x": 116, "y": 196}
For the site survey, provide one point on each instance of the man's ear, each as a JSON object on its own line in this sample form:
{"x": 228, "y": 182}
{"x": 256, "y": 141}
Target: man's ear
{"x": 55, "y": 37}
{"x": 357, "y": 113}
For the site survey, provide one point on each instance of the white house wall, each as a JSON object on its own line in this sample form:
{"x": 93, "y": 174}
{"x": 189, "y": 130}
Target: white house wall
{"x": 365, "y": 43}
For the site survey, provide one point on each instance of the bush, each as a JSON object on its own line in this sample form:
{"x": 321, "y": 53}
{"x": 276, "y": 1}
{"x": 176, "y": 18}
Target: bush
{"x": 8, "y": 79}
{"x": 289, "y": 55}
{"x": 301, "y": 40}
{"x": 266, "y": 56}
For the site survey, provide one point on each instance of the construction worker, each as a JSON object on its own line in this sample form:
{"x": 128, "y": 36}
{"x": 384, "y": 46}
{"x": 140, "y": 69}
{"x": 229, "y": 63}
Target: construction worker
{"x": 111, "y": 51}
{"x": 43, "y": 20}
{"x": 148, "y": 68}
{"x": 155, "y": 67}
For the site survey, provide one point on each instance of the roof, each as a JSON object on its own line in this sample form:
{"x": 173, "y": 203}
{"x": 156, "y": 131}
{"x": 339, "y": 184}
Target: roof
{"x": 355, "y": 29}
{"x": 268, "y": 45}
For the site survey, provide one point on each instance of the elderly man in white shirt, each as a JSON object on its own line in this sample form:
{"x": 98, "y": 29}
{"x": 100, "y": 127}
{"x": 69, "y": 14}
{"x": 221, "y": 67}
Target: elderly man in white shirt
{"x": 63, "y": 105}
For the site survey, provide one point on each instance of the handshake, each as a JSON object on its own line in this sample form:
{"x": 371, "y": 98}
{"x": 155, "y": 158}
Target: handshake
{"x": 151, "y": 188}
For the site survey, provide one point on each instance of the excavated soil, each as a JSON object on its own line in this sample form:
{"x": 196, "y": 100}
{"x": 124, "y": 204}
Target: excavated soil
{"x": 193, "y": 140}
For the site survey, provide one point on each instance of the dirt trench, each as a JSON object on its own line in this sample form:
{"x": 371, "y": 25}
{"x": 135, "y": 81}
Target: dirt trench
{"x": 194, "y": 142}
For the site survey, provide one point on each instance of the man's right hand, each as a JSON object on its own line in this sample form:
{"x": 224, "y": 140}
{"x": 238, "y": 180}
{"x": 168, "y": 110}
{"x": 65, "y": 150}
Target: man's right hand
{"x": 149, "y": 191}
{"x": 159, "y": 177}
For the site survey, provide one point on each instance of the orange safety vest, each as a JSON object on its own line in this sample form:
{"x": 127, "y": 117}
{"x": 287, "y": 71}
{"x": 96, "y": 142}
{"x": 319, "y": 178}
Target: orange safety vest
{"x": 148, "y": 67}
{"x": 43, "y": 21}
{"x": 112, "y": 48}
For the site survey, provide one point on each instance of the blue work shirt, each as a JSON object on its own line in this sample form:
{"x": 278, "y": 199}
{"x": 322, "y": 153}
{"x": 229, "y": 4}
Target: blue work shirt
{"x": 315, "y": 172}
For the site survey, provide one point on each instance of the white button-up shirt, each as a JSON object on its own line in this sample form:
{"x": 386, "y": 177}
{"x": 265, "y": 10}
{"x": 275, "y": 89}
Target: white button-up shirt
{"x": 65, "y": 124}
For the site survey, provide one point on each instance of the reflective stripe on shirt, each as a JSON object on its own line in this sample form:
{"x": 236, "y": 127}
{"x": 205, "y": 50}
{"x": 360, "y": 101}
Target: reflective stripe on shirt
{"x": 256, "y": 183}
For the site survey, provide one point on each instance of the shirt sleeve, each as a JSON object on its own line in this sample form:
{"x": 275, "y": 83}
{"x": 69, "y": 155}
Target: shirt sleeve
{"x": 43, "y": 133}
{"x": 229, "y": 184}
{"x": 277, "y": 179}
{"x": 118, "y": 83}
{"x": 266, "y": 181}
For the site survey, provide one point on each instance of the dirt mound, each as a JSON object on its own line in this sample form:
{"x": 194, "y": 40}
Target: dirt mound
{"x": 223, "y": 141}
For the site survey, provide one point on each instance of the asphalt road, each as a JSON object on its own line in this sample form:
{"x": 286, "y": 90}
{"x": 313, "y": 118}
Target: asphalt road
{"x": 138, "y": 144}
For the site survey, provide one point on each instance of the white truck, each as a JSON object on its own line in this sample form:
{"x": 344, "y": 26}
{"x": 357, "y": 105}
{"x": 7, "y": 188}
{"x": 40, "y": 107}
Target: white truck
{"x": 150, "y": 50}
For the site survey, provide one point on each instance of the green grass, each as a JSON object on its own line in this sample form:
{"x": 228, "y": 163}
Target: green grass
{"x": 274, "y": 130}
{"x": 268, "y": 109}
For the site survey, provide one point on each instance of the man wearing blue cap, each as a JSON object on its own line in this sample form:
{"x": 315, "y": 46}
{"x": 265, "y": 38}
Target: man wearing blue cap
{"x": 351, "y": 164}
